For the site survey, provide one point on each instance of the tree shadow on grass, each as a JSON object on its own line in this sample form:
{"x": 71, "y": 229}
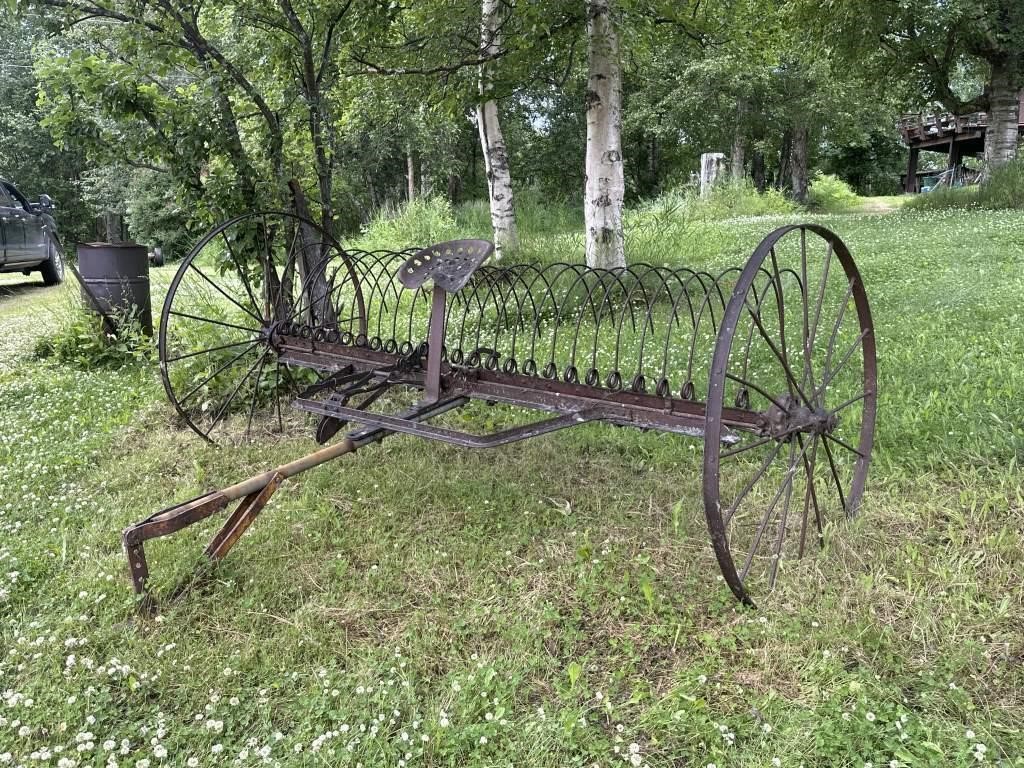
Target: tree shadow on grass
{"x": 22, "y": 289}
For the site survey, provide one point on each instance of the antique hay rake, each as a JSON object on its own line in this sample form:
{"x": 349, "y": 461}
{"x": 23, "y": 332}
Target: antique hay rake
{"x": 267, "y": 307}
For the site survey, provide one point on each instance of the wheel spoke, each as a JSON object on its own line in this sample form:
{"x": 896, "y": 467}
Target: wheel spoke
{"x": 835, "y": 333}
{"x": 826, "y": 379}
{"x": 808, "y": 378}
{"x": 810, "y": 496}
{"x": 207, "y": 351}
{"x": 222, "y": 292}
{"x": 753, "y": 481}
{"x": 786, "y": 483}
{"x": 256, "y": 394}
{"x": 781, "y": 535}
{"x": 835, "y": 475}
{"x": 208, "y": 379}
{"x": 851, "y": 401}
{"x": 844, "y": 444}
{"x": 780, "y": 303}
{"x": 222, "y": 411}
{"x": 277, "y": 396}
{"x": 821, "y": 294}
{"x": 794, "y": 385}
{"x": 210, "y": 320}
{"x": 753, "y": 386}
{"x": 751, "y": 446}
{"x": 241, "y": 272}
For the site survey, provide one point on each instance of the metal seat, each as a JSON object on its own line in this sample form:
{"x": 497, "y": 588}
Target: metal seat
{"x": 449, "y": 265}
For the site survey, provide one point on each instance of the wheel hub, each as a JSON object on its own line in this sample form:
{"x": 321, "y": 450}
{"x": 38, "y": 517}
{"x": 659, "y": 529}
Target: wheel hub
{"x": 788, "y": 416}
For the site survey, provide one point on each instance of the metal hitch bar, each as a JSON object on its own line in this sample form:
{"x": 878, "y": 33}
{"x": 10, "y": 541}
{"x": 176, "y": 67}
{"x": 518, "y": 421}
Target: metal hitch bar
{"x": 254, "y": 494}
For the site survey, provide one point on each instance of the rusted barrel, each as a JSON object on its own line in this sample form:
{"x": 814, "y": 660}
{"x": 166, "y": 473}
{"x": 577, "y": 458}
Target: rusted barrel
{"x": 115, "y": 279}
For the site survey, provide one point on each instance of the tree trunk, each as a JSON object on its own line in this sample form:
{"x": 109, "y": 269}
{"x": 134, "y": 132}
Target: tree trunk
{"x": 1003, "y": 116}
{"x": 738, "y": 157}
{"x": 454, "y": 188}
{"x": 605, "y": 182}
{"x": 492, "y": 142}
{"x": 426, "y": 186}
{"x": 782, "y": 179}
{"x": 757, "y": 170}
{"x": 112, "y": 226}
{"x": 312, "y": 264}
{"x": 798, "y": 164}
{"x": 410, "y": 173}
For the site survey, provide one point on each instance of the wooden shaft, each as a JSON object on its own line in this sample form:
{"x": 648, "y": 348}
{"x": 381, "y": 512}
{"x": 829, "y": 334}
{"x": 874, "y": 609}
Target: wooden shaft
{"x": 260, "y": 481}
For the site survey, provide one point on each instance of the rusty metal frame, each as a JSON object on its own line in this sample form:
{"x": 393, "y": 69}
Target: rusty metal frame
{"x": 363, "y": 360}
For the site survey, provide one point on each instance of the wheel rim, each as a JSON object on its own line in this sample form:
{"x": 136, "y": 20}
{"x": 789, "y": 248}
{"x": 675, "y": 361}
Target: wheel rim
{"x": 796, "y": 348}
{"x": 218, "y": 346}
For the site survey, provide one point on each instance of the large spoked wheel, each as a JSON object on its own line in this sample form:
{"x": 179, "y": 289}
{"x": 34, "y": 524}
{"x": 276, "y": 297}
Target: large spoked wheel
{"x": 791, "y": 406}
{"x": 220, "y": 328}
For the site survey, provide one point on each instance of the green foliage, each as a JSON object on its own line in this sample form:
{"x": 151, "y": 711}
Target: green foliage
{"x": 418, "y": 223}
{"x": 831, "y": 194}
{"x": 156, "y": 217}
{"x": 80, "y": 339}
{"x": 740, "y": 199}
{"x": 725, "y": 201}
{"x": 28, "y": 156}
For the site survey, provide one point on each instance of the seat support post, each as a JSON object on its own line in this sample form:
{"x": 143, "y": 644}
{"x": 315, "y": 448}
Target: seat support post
{"x": 435, "y": 342}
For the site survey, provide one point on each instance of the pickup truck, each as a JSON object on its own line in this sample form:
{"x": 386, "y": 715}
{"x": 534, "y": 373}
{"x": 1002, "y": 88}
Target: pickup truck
{"x": 28, "y": 236}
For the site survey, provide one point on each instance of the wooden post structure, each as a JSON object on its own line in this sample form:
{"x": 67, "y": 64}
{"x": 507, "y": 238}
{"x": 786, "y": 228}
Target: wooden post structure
{"x": 954, "y": 154}
{"x": 910, "y": 184}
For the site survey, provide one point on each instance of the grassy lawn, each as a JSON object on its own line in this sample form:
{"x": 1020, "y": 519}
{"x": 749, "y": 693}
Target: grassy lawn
{"x": 553, "y": 603}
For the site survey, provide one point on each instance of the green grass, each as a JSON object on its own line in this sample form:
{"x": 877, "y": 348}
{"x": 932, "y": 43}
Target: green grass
{"x": 547, "y": 604}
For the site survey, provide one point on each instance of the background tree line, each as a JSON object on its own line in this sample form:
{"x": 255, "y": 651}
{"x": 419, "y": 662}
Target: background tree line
{"x": 170, "y": 114}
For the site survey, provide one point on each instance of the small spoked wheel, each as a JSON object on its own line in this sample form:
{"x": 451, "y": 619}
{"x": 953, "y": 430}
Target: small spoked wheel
{"x": 791, "y": 406}
{"x": 245, "y": 281}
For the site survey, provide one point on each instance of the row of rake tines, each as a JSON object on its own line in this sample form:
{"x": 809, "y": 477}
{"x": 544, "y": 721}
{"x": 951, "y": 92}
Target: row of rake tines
{"x": 550, "y": 312}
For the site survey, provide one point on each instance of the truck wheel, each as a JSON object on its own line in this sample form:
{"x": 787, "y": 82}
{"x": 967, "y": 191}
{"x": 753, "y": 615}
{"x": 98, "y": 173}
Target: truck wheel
{"x": 53, "y": 269}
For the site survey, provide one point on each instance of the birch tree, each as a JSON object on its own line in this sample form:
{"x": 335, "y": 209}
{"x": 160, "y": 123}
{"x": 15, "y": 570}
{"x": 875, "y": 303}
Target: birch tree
{"x": 492, "y": 141}
{"x": 604, "y": 187}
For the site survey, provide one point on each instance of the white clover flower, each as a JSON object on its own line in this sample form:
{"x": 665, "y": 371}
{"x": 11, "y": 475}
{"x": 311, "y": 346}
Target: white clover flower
{"x": 870, "y": 717}
{"x": 143, "y": 763}
{"x": 108, "y": 745}
{"x": 969, "y": 734}
{"x": 217, "y": 749}
{"x": 192, "y": 762}
{"x": 160, "y": 751}
{"x": 483, "y": 739}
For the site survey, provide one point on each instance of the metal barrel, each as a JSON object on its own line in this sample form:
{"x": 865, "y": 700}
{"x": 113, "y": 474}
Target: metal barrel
{"x": 115, "y": 276}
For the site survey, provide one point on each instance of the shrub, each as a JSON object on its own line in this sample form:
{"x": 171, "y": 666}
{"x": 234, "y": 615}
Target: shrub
{"x": 418, "y": 223}
{"x": 831, "y": 194}
{"x": 741, "y": 198}
{"x": 725, "y": 201}
{"x": 81, "y": 340}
